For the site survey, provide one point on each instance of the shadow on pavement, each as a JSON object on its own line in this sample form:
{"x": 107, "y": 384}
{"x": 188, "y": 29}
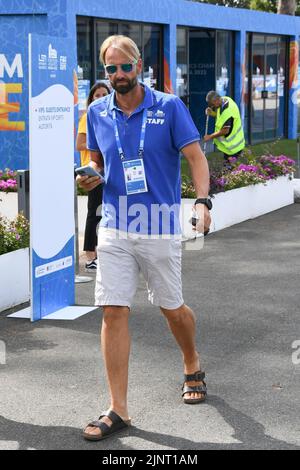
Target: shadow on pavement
{"x": 247, "y": 431}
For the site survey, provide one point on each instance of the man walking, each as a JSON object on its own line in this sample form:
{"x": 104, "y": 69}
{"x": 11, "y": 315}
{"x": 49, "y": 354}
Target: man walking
{"x": 137, "y": 134}
{"x": 229, "y": 134}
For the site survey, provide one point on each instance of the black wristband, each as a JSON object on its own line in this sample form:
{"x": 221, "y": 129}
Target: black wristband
{"x": 206, "y": 201}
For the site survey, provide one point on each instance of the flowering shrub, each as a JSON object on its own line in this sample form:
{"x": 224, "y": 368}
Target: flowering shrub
{"x": 217, "y": 183}
{"x": 8, "y": 180}
{"x": 244, "y": 171}
{"x": 187, "y": 188}
{"x": 13, "y": 234}
{"x": 277, "y": 166}
{"x": 240, "y": 178}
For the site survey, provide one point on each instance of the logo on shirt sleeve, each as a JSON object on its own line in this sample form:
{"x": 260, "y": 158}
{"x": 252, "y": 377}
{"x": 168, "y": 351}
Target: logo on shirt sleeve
{"x": 103, "y": 113}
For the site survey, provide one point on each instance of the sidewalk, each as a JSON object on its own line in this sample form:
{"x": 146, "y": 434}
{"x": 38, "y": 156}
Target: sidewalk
{"x": 244, "y": 288}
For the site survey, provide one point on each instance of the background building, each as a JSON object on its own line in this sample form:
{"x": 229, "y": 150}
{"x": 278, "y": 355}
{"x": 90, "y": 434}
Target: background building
{"x": 188, "y": 48}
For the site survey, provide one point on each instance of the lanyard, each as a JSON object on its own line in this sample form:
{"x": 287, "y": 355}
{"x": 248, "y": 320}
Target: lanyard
{"x": 142, "y": 138}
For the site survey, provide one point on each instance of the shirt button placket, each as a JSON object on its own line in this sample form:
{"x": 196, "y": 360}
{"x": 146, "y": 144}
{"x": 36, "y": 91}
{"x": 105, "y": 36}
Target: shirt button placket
{"x": 126, "y": 125}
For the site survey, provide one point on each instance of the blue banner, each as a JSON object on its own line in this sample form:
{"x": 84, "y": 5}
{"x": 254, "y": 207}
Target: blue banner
{"x": 13, "y": 95}
{"x": 51, "y": 145}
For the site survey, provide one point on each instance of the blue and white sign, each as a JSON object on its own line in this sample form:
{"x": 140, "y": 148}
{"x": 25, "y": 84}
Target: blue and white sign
{"x": 13, "y": 93}
{"x": 51, "y": 147}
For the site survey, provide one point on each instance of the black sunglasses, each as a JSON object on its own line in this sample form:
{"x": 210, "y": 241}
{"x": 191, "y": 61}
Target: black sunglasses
{"x": 127, "y": 68}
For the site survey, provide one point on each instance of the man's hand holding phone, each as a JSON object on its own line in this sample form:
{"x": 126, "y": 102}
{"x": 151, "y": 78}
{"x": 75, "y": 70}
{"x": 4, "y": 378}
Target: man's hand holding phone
{"x": 88, "y": 178}
{"x": 200, "y": 219}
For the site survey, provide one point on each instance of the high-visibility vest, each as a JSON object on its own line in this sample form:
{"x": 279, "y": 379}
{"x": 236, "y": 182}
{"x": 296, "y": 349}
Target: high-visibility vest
{"x": 235, "y": 142}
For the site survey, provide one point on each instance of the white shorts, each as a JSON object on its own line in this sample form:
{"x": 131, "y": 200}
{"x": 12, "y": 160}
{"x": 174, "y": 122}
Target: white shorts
{"x": 120, "y": 262}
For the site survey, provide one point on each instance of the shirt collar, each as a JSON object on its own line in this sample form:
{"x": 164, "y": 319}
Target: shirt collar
{"x": 148, "y": 102}
{"x": 224, "y": 102}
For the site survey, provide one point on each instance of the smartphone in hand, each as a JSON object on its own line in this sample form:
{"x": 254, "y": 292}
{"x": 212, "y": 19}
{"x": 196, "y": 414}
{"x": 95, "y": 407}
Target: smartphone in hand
{"x": 194, "y": 220}
{"x": 88, "y": 171}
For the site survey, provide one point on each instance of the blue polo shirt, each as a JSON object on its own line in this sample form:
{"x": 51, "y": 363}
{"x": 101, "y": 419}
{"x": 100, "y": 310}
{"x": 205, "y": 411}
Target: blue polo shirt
{"x": 169, "y": 128}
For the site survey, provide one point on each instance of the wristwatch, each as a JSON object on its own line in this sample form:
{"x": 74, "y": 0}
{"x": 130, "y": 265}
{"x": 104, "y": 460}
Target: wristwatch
{"x": 206, "y": 201}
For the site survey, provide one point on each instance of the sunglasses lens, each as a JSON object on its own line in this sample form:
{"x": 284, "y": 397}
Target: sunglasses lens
{"x": 110, "y": 69}
{"x": 126, "y": 67}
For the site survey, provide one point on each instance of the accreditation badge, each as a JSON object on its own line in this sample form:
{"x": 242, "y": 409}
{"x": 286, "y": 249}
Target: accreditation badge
{"x": 135, "y": 178}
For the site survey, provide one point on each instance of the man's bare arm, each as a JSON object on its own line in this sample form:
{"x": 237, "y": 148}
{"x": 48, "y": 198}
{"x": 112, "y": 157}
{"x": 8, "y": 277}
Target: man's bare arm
{"x": 198, "y": 167}
{"x": 200, "y": 176}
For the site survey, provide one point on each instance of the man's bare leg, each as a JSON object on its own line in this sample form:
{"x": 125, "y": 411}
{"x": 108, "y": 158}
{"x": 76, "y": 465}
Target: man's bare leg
{"x": 115, "y": 342}
{"x": 182, "y": 323}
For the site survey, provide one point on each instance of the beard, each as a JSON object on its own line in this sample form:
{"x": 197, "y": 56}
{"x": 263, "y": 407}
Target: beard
{"x": 124, "y": 86}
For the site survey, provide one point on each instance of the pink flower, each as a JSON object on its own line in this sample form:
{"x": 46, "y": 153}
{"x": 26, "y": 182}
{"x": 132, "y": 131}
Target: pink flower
{"x": 11, "y": 182}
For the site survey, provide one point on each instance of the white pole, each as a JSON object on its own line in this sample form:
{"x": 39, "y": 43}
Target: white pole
{"x": 206, "y": 130}
{"x": 78, "y": 279}
{"x": 298, "y": 156}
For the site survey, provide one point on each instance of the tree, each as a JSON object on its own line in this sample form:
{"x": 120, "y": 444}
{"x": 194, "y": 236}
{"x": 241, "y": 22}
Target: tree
{"x": 228, "y": 3}
{"x": 264, "y": 5}
{"x": 287, "y": 7}
{"x": 284, "y": 7}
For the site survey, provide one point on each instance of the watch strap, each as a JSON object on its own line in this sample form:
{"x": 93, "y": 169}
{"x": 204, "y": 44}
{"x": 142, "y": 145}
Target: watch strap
{"x": 204, "y": 200}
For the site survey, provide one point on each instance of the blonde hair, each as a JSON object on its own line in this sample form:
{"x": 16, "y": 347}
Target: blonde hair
{"x": 123, "y": 44}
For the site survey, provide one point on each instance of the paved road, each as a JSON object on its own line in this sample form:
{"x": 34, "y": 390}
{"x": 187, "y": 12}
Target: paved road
{"x": 244, "y": 287}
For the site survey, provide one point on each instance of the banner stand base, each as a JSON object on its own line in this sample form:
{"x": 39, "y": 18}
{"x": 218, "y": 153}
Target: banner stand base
{"x": 24, "y": 313}
{"x": 82, "y": 279}
{"x": 66, "y": 313}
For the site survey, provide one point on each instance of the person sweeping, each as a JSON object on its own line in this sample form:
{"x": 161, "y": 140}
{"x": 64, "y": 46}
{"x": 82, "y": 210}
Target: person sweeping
{"x": 229, "y": 134}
